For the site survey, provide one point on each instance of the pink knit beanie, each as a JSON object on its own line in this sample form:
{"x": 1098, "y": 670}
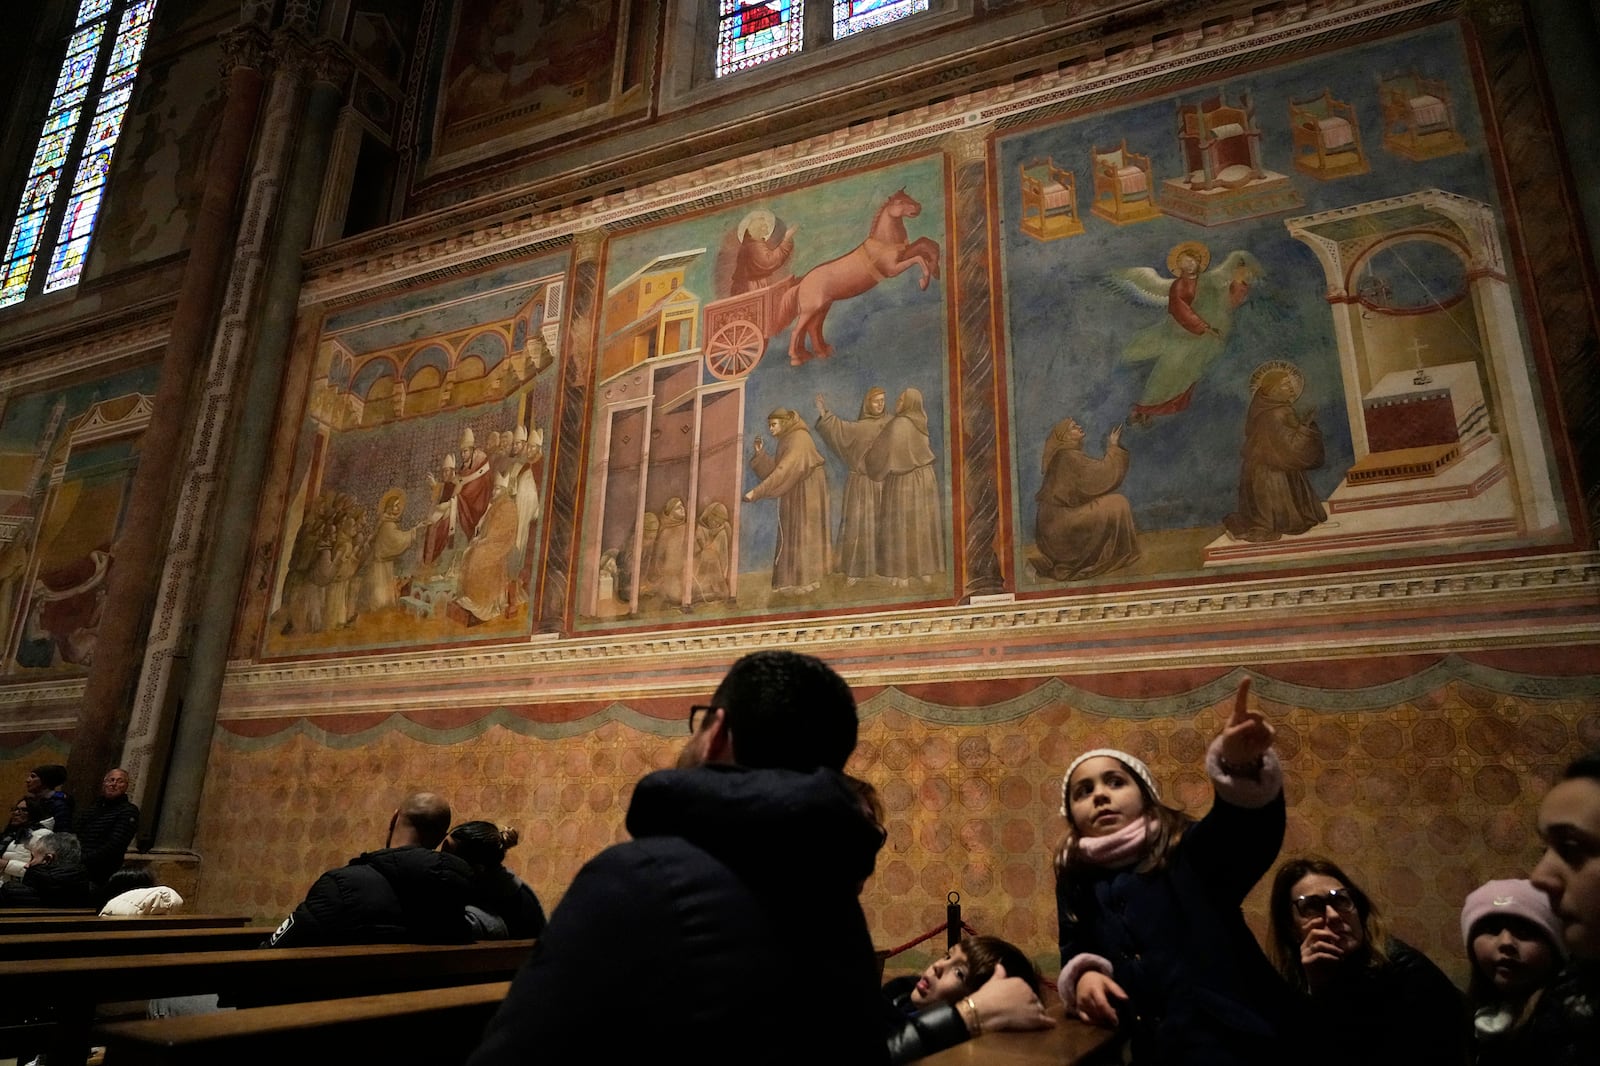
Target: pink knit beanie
{"x": 1516, "y": 897}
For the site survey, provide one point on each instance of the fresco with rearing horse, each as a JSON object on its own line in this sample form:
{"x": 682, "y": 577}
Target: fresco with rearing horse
{"x": 786, "y": 361}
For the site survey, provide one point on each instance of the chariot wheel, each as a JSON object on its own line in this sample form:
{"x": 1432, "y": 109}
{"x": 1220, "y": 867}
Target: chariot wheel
{"x": 734, "y": 349}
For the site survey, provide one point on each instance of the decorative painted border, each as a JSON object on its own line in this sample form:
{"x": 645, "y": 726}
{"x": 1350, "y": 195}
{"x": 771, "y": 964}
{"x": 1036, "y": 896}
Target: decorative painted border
{"x": 1524, "y": 602}
{"x": 1052, "y": 692}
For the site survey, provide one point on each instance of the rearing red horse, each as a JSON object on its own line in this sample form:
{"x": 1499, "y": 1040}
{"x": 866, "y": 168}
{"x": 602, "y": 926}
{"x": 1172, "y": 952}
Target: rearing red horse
{"x": 887, "y": 251}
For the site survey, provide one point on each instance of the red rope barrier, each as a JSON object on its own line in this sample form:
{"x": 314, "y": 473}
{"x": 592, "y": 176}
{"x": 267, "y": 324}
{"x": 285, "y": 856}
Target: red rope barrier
{"x": 929, "y": 935}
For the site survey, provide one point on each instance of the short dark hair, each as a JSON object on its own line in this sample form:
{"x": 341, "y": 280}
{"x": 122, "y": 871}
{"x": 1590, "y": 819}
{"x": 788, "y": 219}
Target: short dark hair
{"x": 1584, "y": 766}
{"x": 481, "y": 843}
{"x": 787, "y": 711}
{"x": 984, "y": 952}
{"x": 51, "y": 774}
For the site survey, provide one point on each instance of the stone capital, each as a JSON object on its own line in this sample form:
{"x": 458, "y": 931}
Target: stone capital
{"x": 969, "y": 145}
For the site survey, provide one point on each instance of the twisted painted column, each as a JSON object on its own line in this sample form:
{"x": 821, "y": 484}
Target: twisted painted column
{"x": 137, "y": 555}
{"x": 568, "y": 457}
{"x": 980, "y": 393}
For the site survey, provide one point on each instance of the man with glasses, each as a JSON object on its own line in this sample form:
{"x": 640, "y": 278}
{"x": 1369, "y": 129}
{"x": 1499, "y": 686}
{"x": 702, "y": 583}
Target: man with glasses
{"x": 728, "y": 929}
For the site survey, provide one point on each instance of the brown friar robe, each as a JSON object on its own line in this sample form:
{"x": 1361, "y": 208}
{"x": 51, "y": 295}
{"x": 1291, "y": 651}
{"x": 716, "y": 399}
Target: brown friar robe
{"x": 1275, "y": 496}
{"x": 910, "y": 526}
{"x": 795, "y": 478}
{"x": 855, "y": 553}
{"x": 1083, "y": 527}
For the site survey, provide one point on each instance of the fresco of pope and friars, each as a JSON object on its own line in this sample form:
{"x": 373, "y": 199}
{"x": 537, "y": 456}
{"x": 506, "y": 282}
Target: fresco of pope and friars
{"x": 771, "y": 417}
{"x": 67, "y": 460}
{"x": 1269, "y": 321}
{"x": 417, "y": 494}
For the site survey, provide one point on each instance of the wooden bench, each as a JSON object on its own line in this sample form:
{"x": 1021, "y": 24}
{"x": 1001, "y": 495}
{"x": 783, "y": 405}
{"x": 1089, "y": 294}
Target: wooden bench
{"x": 89, "y": 923}
{"x": 42, "y": 912}
{"x": 137, "y": 941}
{"x": 247, "y": 977}
{"x": 438, "y": 1026}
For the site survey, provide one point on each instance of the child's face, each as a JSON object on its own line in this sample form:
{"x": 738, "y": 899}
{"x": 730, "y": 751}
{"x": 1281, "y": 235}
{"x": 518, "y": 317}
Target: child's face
{"x": 1103, "y": 797}
{"x": 1513, "y": 954}
{"x": 943, "y": 982}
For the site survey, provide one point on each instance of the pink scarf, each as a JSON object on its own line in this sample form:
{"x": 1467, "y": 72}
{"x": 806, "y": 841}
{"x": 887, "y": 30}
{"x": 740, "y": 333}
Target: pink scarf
{"x": 1115, "y": 850}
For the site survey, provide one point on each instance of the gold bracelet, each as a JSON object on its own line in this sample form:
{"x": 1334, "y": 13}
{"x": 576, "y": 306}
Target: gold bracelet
{"x": 969, "y": 1014}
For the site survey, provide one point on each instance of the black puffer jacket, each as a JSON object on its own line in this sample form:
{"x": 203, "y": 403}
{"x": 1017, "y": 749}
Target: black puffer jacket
{"x": 105, "y": 830}
{"x": 51, "y": 884}
{"x": 406, "y": 895}
{"x": 727, "y": 931}
{"x": 503, "y": 906}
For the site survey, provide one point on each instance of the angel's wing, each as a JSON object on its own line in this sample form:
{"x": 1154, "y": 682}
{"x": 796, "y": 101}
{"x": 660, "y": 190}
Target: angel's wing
{"x": 1140, "y": 285}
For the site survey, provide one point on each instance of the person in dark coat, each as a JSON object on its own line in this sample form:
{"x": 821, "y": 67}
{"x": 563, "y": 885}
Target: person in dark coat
{"x": 404, "y": 893}
{"x": 1364, "y": 996}
{"x": 1153, "y": 942}
{"x": 106, "y": 828}
{"x": 46, "y": 781}
{"x": 54, "y": 878}
{"x": 754, "y": 844}
{"x": 500, "y": 904}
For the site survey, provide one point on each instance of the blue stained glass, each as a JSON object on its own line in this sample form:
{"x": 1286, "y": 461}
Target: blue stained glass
{"x": 752, "y": 33}
{"x": 92, "y": 9}
{"x": 853, "y": 16}
{"x": 46, "y": 175}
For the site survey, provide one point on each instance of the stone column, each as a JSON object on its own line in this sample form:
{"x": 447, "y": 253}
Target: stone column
{"x": 568, "y": 456}
{"x": 980, "y": 390}
{"x": 130, "y": 589}
{"x": 212, "y": 403}
{"x": 252, "y": 428}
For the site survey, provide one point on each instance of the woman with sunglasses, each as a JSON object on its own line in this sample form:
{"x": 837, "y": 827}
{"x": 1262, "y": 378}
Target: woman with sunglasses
{"x": 1365, "y": 996}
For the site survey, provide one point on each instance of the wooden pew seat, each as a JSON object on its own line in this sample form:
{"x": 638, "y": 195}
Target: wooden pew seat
{"x": 86, "y": 923}
{"x": 436, "y": 1026}
{"x": 135, "y": 941}
{"x": 249, "y": 976}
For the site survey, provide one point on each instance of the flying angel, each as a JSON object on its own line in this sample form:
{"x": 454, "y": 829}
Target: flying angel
{"x": 1200, "y": 304}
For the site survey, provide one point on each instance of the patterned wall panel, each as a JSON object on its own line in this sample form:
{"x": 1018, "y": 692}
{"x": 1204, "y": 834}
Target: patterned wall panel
{"x": 1424, "y": 783}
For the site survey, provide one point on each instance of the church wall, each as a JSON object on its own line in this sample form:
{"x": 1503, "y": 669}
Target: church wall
{"x": 1428, "y": 683}
{"x": 1421, "y": 774}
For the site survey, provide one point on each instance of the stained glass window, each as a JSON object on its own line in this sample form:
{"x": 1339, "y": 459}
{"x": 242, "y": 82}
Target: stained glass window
{"x": 75, "y": 146}
{"x": 749, "y": 34}
{"x": 853, "y": 16}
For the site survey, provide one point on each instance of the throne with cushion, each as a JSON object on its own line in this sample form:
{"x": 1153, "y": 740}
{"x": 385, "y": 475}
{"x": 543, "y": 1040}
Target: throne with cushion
{"x": 1124, "y": 187}
{"x": 1418, "y": 119}
{"x": 1327, "y": 137}
{"x": 1049, "y": 201}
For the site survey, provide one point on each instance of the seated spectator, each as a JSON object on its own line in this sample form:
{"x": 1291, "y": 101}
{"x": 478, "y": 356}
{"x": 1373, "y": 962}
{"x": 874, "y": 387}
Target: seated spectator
{"x": 1365, "y": 996}
{"x": 1569, "y": 875}
{"x": 132, "y": 891}
{"x": 981, "y": 983}
{"x": 55, "y": 876}
{"x": 405, "y": 893}
{"x": 27, "y": 818}
{"x": 107, "y": 827}
{"x": 1514, "y": 944}
{"x": 46, "y": 781}
{"x": 500, "y": 904}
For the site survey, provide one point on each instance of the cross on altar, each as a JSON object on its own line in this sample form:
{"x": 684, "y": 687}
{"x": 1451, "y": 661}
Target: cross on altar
{"x": 1417, "y": 348}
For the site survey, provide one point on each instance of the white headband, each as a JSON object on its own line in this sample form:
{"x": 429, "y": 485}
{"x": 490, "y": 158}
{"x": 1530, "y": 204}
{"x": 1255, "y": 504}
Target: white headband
{"x": 1140, "y": 770}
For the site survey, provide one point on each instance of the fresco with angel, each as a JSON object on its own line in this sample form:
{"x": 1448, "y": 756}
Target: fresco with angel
{"x": 1268, "y": 322}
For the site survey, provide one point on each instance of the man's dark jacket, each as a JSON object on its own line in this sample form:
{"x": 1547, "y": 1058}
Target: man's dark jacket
{"x": 407, "y": 895}
{"x": 105, "y": 830}
{"x": 51, "y": 884}
{"x": 727, "y": 931}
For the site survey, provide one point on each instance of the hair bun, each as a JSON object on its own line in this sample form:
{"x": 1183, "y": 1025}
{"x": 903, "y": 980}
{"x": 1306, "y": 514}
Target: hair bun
{"x": 508, "y": 837}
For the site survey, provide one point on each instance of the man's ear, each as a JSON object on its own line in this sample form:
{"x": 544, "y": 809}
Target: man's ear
{"x": 719, "y": 737}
